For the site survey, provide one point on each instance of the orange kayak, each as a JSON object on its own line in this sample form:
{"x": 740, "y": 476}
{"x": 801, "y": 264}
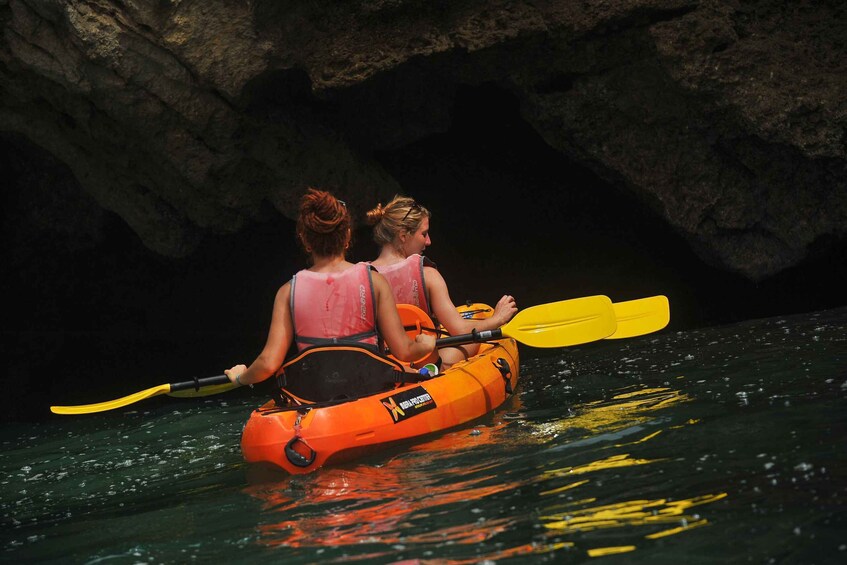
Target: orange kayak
{"x": 300, "y": 436}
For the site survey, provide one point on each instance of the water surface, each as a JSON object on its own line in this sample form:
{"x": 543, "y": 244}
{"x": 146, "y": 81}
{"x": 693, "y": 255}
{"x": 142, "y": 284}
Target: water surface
{"x": 720, "y": 445}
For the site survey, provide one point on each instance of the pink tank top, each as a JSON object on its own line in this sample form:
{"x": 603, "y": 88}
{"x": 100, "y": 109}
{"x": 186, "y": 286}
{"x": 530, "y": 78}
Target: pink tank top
{"x": 407, "y": 281}
{"x": 329, "y": 308}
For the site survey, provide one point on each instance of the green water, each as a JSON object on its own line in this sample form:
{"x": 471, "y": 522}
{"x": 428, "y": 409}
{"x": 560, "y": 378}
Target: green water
{"x": 720, "y": 445}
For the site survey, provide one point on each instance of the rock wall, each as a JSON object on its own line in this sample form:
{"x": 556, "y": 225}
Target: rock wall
{"x": 189, "y": 117}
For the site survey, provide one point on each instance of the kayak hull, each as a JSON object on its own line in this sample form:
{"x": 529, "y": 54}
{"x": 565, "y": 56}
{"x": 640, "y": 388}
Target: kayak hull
{"x": 306, "y": 440}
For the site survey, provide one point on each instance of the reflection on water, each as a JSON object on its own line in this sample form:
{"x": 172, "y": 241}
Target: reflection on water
{"x": 600, "y": 418}
{"x": 406, "y": 501}
{"x": 379, "y": 504}
{"x": 726, "y": 443}
{"x": 617, "y": 417}
{"x": 633, "y": 513}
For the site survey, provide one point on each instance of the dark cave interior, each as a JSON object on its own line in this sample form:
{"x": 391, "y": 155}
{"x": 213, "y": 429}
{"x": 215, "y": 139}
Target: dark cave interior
{"x": 96, "y": 313}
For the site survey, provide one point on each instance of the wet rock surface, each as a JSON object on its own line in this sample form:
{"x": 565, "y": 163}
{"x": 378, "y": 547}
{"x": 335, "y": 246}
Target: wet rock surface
{"x": 190, "y": 118}
{"x": 152, "y": 155}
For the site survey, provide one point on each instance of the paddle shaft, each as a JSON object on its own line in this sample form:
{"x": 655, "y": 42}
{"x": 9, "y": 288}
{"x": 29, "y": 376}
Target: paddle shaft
{"x": 197, "y": 383}
{"x": 469, "y": 338}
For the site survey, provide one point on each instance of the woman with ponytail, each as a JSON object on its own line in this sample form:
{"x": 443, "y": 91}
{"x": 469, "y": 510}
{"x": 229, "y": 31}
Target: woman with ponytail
{"x": 333, "y": 301}
{"x": 401, "y": 229}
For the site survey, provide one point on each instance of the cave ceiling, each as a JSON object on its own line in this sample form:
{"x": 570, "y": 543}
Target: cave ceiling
{"x": 187, "y": 117}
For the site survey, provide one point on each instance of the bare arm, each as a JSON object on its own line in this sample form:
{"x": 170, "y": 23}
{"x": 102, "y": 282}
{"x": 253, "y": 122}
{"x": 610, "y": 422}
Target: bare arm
{"x": 391, "y": 328}
{"x": 279, "y": 340}
{"x": 447, "y": 314}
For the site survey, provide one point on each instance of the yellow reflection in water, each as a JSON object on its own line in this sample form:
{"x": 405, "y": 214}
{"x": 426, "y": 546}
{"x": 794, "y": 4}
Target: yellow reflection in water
{"x": 564, "y": 488}
{"x": 600, "y": 551}
{"x": 615, "y": 461}
{"x": 662, "y": 517}
{"x": 632, "y": 513}
{"x": 621, "y": 411}
{"x": 642, "y": 440}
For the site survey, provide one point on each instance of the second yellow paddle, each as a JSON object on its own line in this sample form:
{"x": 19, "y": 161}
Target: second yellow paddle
{"x": 557, "y": 324}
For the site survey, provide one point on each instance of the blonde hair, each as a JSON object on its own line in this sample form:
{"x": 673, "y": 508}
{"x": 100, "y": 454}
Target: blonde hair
{"x": 399, "y": 215}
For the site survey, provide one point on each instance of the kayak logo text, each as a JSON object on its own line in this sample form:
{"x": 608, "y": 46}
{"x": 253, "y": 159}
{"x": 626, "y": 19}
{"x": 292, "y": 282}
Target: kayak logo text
{"x": 404, "y": 405}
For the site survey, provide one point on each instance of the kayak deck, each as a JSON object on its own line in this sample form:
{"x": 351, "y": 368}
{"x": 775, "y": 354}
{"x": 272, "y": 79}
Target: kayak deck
{"x": 301, "y": 440}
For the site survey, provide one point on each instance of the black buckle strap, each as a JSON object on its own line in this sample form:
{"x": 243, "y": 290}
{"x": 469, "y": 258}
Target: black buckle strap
{"x": 506, "y": 371}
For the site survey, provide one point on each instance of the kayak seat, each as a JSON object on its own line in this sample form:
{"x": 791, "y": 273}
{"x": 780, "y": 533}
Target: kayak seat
{"x": 327, "y": 372}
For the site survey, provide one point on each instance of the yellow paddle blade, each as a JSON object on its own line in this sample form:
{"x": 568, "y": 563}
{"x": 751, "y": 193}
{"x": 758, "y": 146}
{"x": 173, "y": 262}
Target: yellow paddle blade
{"x": 205, "y": 391}
{"x": 563, "y": 323}
{"x": 112, "y": 404}
{"x": 640, "y": 317}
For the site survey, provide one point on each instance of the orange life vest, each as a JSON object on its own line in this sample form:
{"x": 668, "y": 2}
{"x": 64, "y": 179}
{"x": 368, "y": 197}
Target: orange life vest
{"x": 328, "y": 308}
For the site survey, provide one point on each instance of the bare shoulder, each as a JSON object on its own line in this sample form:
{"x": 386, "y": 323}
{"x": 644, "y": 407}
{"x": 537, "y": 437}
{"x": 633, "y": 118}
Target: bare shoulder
{"x": 433, "y": 277}
{"x": 432, "y": 272}
{"x": 284, "y": 292}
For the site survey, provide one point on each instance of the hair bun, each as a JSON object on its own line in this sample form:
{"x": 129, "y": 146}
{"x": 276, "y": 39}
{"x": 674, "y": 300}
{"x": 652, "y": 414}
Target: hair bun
{"x": 321, "y": 212}
{"x": 375, "y": 216}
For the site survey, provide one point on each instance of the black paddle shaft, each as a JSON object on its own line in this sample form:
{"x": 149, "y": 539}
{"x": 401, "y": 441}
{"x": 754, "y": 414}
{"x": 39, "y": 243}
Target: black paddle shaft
{"x": 197, "y": 383}
{"x": 472, "y": 337}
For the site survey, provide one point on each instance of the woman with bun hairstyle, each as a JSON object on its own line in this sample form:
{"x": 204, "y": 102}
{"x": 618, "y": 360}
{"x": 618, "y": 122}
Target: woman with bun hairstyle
{"x": 333, "y": 301}
{"x": 401, "y": 229}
